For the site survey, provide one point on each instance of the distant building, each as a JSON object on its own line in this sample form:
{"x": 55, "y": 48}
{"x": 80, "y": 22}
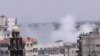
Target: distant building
{"x": 2, "y": 24}
{"x": 89, "y": 43}
{"x": 11, "y": 23}
{"x": 57, "y": 49}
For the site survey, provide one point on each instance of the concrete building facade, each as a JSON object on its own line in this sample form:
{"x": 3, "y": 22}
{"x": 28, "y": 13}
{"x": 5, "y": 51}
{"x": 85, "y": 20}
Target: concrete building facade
{"x": 90, "y": 43}
{"x": 30, "y": 48}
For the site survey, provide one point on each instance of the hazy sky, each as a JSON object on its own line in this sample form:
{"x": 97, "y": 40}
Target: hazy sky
{"x": 49, "y": 10}
{"x": 28, "y": 11}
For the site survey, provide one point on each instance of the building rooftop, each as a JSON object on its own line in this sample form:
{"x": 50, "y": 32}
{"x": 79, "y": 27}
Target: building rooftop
{"x": 29, "y": 39}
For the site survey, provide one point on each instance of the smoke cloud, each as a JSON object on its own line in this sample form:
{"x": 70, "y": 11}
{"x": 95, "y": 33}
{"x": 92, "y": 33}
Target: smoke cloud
{"x": 68, "y": 31}
{"x": 86, "y": 28}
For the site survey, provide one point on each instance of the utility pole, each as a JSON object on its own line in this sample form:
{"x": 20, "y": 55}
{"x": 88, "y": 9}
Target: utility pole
{"x": 6, "y": 27}
{"x": 68, "y": 49}
{"x": 93, "y": 52}
{"x": 16, "y": 22}
{"x": 89, "y": 45}
{"x": 64, "y": 49}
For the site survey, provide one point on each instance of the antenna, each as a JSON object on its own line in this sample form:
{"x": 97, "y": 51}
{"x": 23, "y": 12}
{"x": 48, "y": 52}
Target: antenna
{"x": 16, "y": 22}
{"x": 6, "y": 22}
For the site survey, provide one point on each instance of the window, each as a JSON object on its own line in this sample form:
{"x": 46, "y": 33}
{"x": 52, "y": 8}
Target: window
{"x": 31, "y": 44}
{"x": 31, "y": 50}
{"x": 34, "y": 43}
{"x": 27, "y": 45}
{"x": 35, "y": 49}
{"x": 6, "y": 52}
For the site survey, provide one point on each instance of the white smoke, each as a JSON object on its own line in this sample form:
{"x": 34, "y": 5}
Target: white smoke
{"x": 86, "y": 28}
{"x": 68, "y": 32}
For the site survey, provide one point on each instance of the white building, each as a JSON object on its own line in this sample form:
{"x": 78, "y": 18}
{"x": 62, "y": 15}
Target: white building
{"x": 11, "y": 23}
{"x": 6, "y": 25}
{"x": 2, "y": 35}
{"x": 30, "y": 48}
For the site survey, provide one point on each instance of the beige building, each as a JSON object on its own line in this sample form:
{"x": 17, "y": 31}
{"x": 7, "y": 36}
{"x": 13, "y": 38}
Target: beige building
{"x": 90, "y": 43}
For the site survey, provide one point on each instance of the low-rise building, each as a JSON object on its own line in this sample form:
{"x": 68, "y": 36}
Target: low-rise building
{"x": 57, "y": 49}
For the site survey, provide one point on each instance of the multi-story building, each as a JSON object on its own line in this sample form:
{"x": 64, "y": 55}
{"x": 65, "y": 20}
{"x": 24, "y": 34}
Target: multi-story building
{"x": 28, "y": 47}
{"x": 6, "y": 25}
{"x": 11, "y": 23}
{"x": 31, "y": 48}
{"x": 2, "y": 35}
{"x": 89, "y": 43}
